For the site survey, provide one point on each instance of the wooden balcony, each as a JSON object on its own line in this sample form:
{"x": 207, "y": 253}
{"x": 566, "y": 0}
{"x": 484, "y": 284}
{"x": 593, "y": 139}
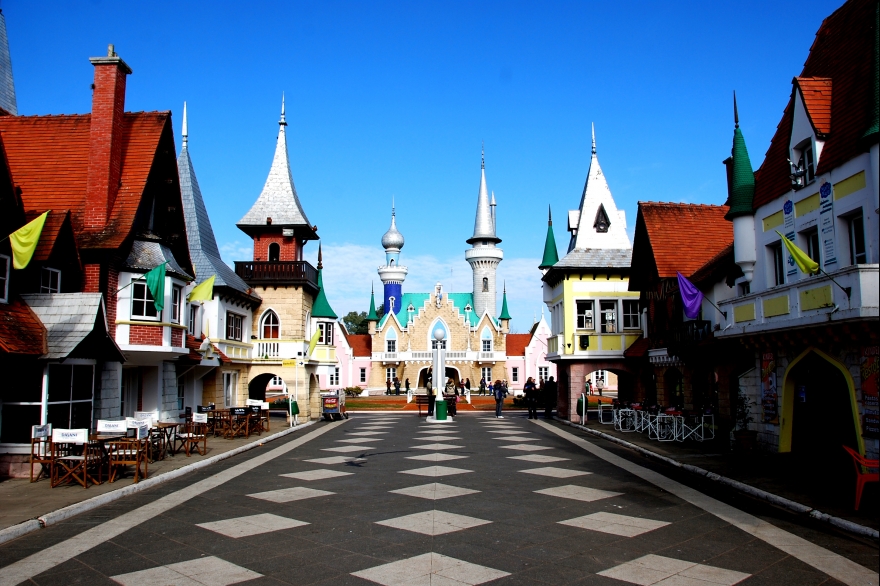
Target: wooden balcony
{"x": 280, "y": 273}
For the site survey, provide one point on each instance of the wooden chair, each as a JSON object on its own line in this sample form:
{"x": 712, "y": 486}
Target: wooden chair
{"x": 255, "y": 419}
{"x": 239, "y": 422}
{"x": 129, "y": 451}
{"x": 420, "y": 401}
{"x": 41, "y": 450}
{"x": 195, "y": 432}
{"x": 863, "y": 474}
{"x": 74, "y": 457}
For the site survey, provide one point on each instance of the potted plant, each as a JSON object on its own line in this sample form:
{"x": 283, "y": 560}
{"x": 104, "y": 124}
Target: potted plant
{"x": 744, "y": 437}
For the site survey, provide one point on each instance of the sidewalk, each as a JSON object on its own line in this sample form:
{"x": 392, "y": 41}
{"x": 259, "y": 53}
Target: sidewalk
{"x": 22, "y": 500}
{"x": 393, "y": 402}
{"x": 778, "y": 474}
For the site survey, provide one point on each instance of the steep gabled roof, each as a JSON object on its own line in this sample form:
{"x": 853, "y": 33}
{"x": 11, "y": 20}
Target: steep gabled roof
{"x": 57, "y": 227}
{"x": 816, "y": 92}
{"x": 517, "y": 343}
{"x": 49, "y": 160}
{"x": 841, "y": 52}
{"x": 361, "y": 344}
{"x": 21, "y": 332}
{"x": 676, "y": 237}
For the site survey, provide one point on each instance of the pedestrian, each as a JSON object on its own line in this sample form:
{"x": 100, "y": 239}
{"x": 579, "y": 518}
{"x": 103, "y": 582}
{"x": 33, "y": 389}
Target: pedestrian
{"x": 531, "y": 394}
{"x": 396, "y": 386}
{"x": 549, "y": 397}
{"x": 387, "y": 386}
{"x": 450, "y": 387}
{"x": 407, "y": 386}
{"x": 482, "y": 386}
{"x": 589, "y": 385}
{"x": 467, "y": 385}
{"x": 431, "y": 396}
{"x": 460, "y": 388}
{"x": 500, "y": 393}
{"x": 600, "y": 384}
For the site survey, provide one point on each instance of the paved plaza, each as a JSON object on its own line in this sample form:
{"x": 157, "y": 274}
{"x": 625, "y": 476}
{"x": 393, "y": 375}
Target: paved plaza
{"x": 393, "y": 500}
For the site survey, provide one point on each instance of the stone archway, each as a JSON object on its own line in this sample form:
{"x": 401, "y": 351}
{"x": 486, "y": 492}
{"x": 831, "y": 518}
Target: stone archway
{"x": 571, "y": 378}
{"x": 257, "y": 386}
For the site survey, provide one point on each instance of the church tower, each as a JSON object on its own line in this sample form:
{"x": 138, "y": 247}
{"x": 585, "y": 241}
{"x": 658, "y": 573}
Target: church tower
{"x": 392, "y": 274}
{"x": 484, "y": 256}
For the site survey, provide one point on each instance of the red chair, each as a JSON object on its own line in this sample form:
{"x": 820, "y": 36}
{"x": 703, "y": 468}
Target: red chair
{"x": 862, "y": 465}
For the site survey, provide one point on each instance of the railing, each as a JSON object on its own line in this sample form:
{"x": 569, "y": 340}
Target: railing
{"x": 297, "y": 272}
{"x": 456, "y": 355}
{"x": 386, "y": 356}
{"x": 552, "y": 344}
{"x": 422, "y": 355}
{"x": 690, "y": 332}
{"x": 236, "y": 351}
{"x": 268, "y": 349}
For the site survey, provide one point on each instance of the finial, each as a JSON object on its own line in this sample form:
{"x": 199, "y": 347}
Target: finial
{"x": 283, "y": 121}
{"x": 549, "y": 216}
{"x": 492, "y": 202}
{"x": 392, "y": 205}
{"x": 185, "y": 132}
{"x": 320, "y": 257}
{"x": 111, "y": 50}
{"x": 593, "y": 124}
{"x": 483, "y": 155}
{"x": 735, "y": 113}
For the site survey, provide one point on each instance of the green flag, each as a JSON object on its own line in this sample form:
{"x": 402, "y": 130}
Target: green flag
{"x": 801, "y": 258}
{"x": 24, "y": 241}
{"x": 203, "y": 291}
{"x": 156, "y": 284}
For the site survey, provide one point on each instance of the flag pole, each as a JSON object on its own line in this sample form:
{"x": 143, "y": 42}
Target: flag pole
{"x": 140, "y": 278}
{"x": 847, "y": 290}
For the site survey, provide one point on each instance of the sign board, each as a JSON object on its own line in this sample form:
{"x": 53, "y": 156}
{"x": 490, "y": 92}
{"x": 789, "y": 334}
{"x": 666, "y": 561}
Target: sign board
{"x": 41, "y": 431}
{"x": 788, "y": 226}
{"x": 769, "y": 397}
{"x": 330, "y": 404}
{"x": 105, "y": 426}
{"x": 70, "y": 436}
{"x": 826, "y": 224}
{"x": 288, "y": 363}
{"x": 869, "y": 376}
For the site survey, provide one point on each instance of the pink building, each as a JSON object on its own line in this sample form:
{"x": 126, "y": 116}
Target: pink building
{"x": 353, "y": 354}
{"x": 527, "y": 356}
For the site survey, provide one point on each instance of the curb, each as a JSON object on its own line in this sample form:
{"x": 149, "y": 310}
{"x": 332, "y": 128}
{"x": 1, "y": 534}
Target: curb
{"x": 16, "y": 531}
{"x": 735, "y": 484}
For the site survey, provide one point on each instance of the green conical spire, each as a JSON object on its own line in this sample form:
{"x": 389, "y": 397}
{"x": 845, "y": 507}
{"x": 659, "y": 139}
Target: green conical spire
{"x": 504, "y": 313}
{"x": 551, "y": 256}
{"x": 372, "y": 316}
{"x": 742, "y": 188}
{"x": 321, "y": 307}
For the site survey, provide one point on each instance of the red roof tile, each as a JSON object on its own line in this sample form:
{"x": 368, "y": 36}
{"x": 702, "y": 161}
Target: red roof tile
{"x": 48, "y": 157}
{"x": 516, "y": 344}
{"x": 21, "y": 331}
{"x": 678, "y": 237}
{"x": 841, "y": 52}
{"x": 638, "y": 349}
{"x": 817, "y": 99}
{"x": 51, "y": 230}
{"x": 361, "y": 344}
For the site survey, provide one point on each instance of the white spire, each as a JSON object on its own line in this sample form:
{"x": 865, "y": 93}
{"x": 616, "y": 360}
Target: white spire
{"x": 184, "y": 133}
{"x": 484, "y": 223}
{"x": 593, "y": 125}
{"x": 283, "y": 121}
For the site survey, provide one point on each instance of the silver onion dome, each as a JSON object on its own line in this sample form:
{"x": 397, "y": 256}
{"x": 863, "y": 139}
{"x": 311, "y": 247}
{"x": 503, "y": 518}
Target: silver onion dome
{"x": 392, "y": 238}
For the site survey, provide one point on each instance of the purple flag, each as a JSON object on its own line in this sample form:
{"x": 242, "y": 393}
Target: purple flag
{"x": 691, "y": 297}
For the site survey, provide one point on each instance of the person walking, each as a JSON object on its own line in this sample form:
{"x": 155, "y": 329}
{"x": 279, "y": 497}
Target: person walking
{"x": 429, "y": 386}
{"x": 482, "y": 386}
{"x": 500, "y": 393}
{"x": 467, "y": 386}
{"x": 407, "y": 386}
{"x": 589, "y": 385}
{"x": 396, "y": 386}
{"x": 549, "y": 397}
{"x": 531, "y": 393}
{"x": 387, "y": 386}
{"x": 600, "y": 384}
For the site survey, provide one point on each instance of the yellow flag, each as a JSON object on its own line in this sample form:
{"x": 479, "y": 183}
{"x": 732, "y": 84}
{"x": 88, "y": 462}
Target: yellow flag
{"x": 314, "y": 341}
{"x": 24, "y": 241}
{"x": 801, "y": 258}
{"x": 203, "y": 291}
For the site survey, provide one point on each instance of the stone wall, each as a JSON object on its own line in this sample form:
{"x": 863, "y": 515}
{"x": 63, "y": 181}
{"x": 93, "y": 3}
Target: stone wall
{"x": 108, "y": 391}
{"x": 292, "y": 304}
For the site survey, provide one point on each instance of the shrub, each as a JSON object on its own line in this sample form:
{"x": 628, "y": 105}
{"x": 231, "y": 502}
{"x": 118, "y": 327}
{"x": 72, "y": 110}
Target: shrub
{"x": 353, "y": 391}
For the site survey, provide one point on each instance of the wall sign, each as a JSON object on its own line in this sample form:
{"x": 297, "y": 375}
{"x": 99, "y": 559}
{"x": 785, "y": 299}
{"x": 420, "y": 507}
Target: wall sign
{"x": 826, "y": 224}
{"x": 788, "y": 225}
{"x": 869, "y": 376}
{"x": 769, "y": 398}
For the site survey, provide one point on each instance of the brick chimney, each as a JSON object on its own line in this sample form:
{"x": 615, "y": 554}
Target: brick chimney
{"x": 105, "y": 139}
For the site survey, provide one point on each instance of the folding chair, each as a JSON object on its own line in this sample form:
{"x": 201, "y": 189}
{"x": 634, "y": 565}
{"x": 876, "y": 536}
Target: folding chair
{"x": 689, "y": 427}
{"x": 127, "y": 451}
{"x": 625, "y": 420}
{"x": 106, "y": 427}
{"x": 238, "y": 422}
{"x": 195, "y": 432}
{"x": 72, "y": 457}
{"x": 604, "y": 408}
{"x": 41, "y": 450}
{"x": 255, "y": 419}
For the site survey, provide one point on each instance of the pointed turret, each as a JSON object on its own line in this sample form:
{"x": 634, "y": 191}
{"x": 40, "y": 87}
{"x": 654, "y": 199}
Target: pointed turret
{"x": 7, "y": 83}
{"x": 321, "y": 307}
{"x": 373, "y": 316}
{"x": 484, "y": 256}
{"x": 278, "y": 204}
{"x": 392, "y": 273}
{"x": 551, "y": 256}
{"x": 203, "y": 248}
{"x": 504, "y": 318}
{"x": 484, "y": 224}
{"x": 740, "y": 198}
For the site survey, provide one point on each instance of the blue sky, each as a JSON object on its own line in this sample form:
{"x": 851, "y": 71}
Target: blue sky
{"x": 394, "y": 99}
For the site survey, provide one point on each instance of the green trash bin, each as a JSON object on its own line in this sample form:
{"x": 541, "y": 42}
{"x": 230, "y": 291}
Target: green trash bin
{"x": 580, "y": 407}
{"x": 440, "y": 410}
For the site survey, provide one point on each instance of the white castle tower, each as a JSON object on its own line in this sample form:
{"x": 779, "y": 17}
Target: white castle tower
{"x": 483, "y": 255}
{"x": 392, "y": 274}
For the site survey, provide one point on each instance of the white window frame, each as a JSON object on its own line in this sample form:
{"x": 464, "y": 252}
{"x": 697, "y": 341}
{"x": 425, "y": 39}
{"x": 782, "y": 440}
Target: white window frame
{"x": 176, "y": 299}
{"x": 391, "y": 345}
{"x": 334, "y": 377}
{"x": 775, "y": 264}
{"x": 48, "y": 288}
{"x": 326, "y": 333}
{"x": 514, "y": 374}
{"x": 234, "y": 326}
{"x": 193, "y": 316}
{"x": 609, "y": 326}
{"x": 230, "y": 387}
{"x": 631, "y": 318}
{"x": 812, "y": 244}
{"x": 5, "y": 264}
{"x": 147, "y": 299}
{"x": 486, "y": 373}
{"x": 70, "y": 401}
{"x": 363, "y": 378}
{"x": 543, "y": 373}
{"x": 856, "y": 257}
{"x": 277, "y": 325}
{"x": 390, "y": 374}
{"x": 585, "y": 319}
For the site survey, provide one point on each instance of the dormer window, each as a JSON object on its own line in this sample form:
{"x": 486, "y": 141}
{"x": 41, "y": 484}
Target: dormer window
{"x": 50, "y": 280}
{"x": 602, "y": 222}
{"x": 803, "y": 164}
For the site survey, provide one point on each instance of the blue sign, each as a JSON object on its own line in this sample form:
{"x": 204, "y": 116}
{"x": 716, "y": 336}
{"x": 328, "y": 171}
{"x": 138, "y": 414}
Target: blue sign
{"x": 825, "y": 190}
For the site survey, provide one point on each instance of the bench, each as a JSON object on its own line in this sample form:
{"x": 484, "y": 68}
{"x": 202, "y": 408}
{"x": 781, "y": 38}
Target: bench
{"x": 421, "y": 400}
{"x": 451, "y": 404}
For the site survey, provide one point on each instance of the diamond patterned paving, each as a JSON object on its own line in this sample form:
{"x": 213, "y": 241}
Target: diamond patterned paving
{"x": 578, "y": 493}
{"x": 540, "y": 458}
{"x": 316, "y": 474}
{"x": 436, "y": 457}
{"x": 655, "y": 569}
{"x": 437, "y": 447}
{"x": 525, "y": 448}
{"x": 615, "y": 524}
{"x": 430, "y": 568}
{"x": 433, "y": 522}
{"x": 251, "y": 525}
{"x": 206, "y": 571}
{"x": 436, "y": 471}
{"x": 555, "y": 472}
{"x": 285, "y": 495}
{"x": 434, "y": 491}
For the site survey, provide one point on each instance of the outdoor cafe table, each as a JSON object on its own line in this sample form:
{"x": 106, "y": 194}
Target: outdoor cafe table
{"x": 166, "y": 431}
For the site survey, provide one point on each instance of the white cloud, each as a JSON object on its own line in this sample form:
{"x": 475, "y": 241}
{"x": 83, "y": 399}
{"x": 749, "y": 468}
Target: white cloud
{"x": 235, "y": 250}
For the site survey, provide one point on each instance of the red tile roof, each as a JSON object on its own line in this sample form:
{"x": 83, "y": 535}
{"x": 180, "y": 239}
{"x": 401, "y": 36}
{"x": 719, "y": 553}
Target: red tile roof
{"x": 51, "y": 230}
{"x": 361, "y": 344}
{"x": 516, "y": 344}
{"x": 49, "y": 155}
{"x": 680, "y": 237}
{"x": 721, "y": 266}
{"x": 21, "y": 331}
{"x": 817, "y": 99}
{"x": 841, "y": 52}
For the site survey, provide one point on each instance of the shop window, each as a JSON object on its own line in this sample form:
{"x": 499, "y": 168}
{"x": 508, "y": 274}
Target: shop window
{"x": 69, "y": 403}
{"x": 50, "y": 280}
{"x": 21, "y": 402}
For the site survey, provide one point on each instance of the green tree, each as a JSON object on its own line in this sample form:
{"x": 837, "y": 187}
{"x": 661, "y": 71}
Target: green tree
{"x": 355, "y": 323}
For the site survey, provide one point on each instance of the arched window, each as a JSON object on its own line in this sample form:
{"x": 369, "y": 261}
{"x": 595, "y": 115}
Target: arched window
{"x": 486, "y": 284}
{"x": 391, "y": 340}
{"x": 274, "y": 252}
{"x": 486, "y": 340}
{"x": 443, "y": 344}
{"x": 270, "y": 326}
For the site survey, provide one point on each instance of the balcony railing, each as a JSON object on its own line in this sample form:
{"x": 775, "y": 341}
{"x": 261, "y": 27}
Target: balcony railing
{"x": 297, "y": 272}
{"x": 268, "y": 349}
